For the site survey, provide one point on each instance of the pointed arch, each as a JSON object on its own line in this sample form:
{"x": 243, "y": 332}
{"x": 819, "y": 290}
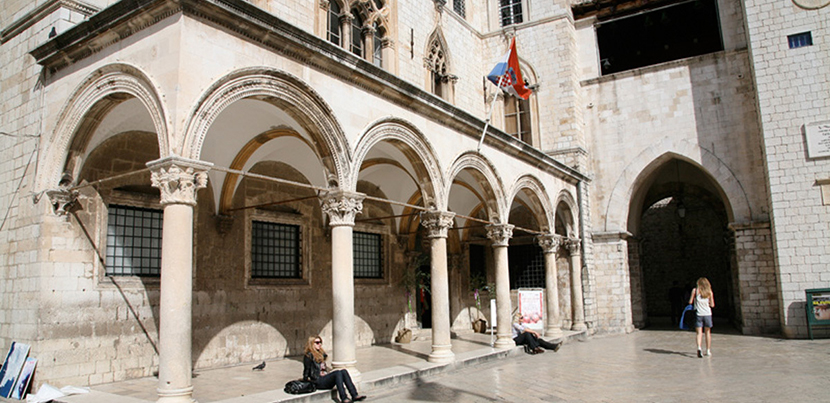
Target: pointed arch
{"x": 735, "y": 198}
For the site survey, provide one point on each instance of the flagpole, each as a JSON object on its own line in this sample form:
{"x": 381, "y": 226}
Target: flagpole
{"x": 489, "y": 114}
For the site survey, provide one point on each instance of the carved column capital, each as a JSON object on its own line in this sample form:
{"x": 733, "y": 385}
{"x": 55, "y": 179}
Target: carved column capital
{"x": 437, "y": 223}
{"x": 549, "y": 243}
{"x": 572, "y": 244}
{"x": 178, "y": 179}
{"x": 341, "y": 206}
{"x": 500, "y": 234}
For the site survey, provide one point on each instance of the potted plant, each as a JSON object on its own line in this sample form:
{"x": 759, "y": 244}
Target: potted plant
{"x": 480, "y": 288}
{"x": 413, "y": 282}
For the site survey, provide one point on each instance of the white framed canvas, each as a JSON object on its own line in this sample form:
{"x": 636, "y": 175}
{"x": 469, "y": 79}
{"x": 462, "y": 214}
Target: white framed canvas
{"x": 22, "y": 384}
{"x": 12, "y": 366}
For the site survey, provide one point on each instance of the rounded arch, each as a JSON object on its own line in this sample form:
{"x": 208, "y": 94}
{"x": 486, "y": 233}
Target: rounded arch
{"x": 566, "y": 210}
{"x": 98, "y": 94}
{"x": 487, "y": 178}
{"x": 284, "y": 91}
{"x": 731, "y": 190}
{"x": 537, "y": 200}
{"x": 410, "y": 141}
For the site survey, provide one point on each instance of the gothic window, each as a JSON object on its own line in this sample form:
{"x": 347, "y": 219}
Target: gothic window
{"x": 333, "y": 28}
{"x": 517, "y": 118}
{"x": 133, "y": 241}
{"x": 510, "y": 12}
{"x": 458, "y": 6}
{"x": 275, "y": 250}
{"x": 367, "y": 249}
{"x": 377, "y": 54}
{"x": 357, "y": 34}
{"x": 437, "y": 65}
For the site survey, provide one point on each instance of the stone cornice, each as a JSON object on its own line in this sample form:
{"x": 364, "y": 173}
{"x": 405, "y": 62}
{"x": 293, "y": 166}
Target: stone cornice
{"x": 41, "y": 12}
{"x": 127, "y": 17}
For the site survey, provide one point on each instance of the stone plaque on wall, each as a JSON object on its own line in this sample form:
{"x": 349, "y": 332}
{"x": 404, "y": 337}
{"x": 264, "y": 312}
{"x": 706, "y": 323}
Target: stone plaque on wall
{"x": 818, "y": 139}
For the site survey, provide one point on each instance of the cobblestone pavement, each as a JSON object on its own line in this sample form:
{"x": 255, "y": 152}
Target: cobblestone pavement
{"x": 645, "y": 366}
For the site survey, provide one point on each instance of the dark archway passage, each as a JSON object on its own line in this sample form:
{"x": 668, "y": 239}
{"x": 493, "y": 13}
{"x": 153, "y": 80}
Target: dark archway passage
{"x": 682, "y": 235}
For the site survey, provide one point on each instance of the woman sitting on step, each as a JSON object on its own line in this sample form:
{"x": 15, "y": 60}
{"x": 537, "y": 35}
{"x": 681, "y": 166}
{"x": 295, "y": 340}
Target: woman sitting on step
{"x": 534, "y": 344}
{"x": 315, "y": 370}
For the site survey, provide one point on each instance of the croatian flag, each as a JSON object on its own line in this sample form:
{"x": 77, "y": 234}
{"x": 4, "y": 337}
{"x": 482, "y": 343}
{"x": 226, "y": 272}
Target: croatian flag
{"x": 507, "y": 75}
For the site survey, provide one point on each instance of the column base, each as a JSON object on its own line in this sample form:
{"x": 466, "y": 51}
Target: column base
{"x": 184, "y": 395}
{"x": 441, "y": 354}
{"x": 579, "y": 327}
{"x": 553, "y": 332}
{"x": 504, "y": 342}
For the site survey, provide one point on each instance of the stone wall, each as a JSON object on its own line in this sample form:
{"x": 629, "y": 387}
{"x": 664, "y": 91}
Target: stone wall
{"x": 792, "y": 92}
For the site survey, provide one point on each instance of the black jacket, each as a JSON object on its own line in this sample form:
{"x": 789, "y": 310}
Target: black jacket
{"x": 311, "y": 368}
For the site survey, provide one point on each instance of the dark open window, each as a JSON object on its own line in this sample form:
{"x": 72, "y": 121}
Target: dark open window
{"x": 333, "y": 30}
{"x": 669, "y": 33}
{"x": 133, "y": 241}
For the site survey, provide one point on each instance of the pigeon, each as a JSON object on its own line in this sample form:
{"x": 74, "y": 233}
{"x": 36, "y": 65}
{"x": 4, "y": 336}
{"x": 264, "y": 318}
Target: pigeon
{"x": 259, "y": 367}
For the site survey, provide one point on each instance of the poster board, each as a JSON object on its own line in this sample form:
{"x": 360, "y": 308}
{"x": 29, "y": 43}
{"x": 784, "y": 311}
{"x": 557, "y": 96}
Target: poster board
{"x": 21, "y": 387}
{"x": 12, "y": 366}
{"x": 818, "y": 308}
{"x": 532, "y": 308}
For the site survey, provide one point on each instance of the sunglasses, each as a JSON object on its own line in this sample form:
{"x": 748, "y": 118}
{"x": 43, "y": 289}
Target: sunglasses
{"x": 318, "y": 342}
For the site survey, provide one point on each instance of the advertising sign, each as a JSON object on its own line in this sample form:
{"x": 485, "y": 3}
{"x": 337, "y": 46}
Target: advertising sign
{"x": 531, "y": 307}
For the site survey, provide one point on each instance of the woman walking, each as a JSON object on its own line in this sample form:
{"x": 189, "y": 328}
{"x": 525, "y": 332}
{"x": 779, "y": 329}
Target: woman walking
{"x": 704, "y": 300}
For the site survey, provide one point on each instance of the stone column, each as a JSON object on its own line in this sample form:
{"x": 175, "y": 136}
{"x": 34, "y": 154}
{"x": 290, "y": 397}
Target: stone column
{"x": 341, "y": 208}
{"x": 550, "y": 245}
{"x": 576, "y": 285}
{"x": 346, "y": 30}
{"x": 500, "y": 234}
{"x": 178, "y": 180}
{"x": 437, "y": 223}
{"x": 369, "y": 43}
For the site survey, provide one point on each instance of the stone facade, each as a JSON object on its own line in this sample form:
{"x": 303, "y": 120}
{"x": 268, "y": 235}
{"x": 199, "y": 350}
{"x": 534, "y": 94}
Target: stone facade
{"x": 277, "y": 118}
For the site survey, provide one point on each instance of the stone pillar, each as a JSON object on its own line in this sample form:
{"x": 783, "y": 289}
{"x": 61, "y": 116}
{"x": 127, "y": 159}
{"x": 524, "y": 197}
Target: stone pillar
{"x": 178, "y": 180}
{"x": 341, "y": 208}
{"x": 550, "y": 245}
{"x": 500, "y": 234}
{"x": 369, "y": 44}
{"x": 437, "y": 223}
{"x": 576, "y": 285}
{"x": 346, "y": 30}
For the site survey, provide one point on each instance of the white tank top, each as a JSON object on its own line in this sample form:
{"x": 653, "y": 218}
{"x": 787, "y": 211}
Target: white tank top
{"x": 702, "y": 306}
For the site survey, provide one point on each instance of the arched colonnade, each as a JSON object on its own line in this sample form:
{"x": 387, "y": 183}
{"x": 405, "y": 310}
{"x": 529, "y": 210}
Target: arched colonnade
{"x": 261, "y": 114}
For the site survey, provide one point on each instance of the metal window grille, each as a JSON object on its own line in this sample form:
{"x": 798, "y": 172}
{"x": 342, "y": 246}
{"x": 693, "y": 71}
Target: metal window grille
{"x": 800, "y": 40}
{"x": 275, "y": 250}
{"x": 510, "y": 12}
{"x": 458, "y": 6}
{"x": 368, "y": 255}
{"x": 333, "y": 30}
{"x": 533, "y": 275}
{"x": 133, "y": 241}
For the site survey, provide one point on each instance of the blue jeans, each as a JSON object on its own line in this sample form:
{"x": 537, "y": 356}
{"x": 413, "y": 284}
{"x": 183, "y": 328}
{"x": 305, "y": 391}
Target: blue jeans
{"x": 338, "y": 378}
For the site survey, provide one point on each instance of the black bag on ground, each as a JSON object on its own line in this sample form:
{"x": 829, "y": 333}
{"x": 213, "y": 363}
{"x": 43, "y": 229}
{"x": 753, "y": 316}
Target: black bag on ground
{"x": 298, "y": 387}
